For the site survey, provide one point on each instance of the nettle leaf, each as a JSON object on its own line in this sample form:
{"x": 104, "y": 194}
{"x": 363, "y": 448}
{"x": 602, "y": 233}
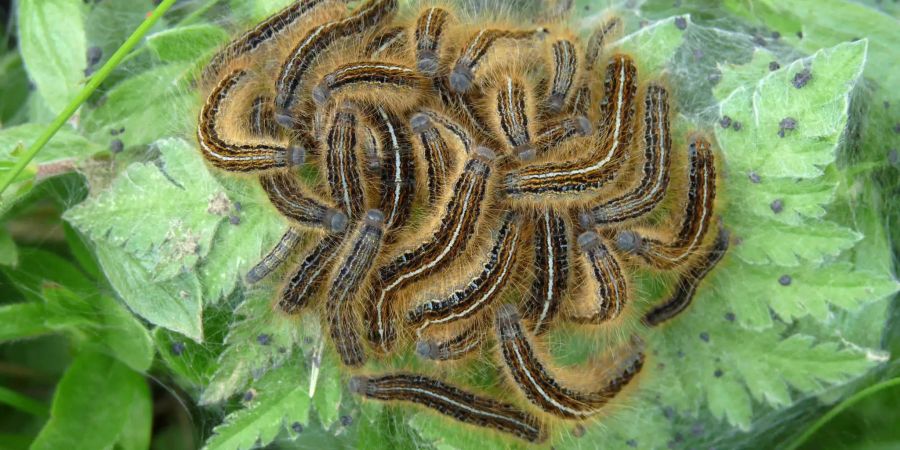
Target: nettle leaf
{"x": 796, "y": 292}
{"x": 94, "y": 403}
{"x": 818, "y": 109}
{"x": 146, "y": 107}
{"x": 239, "y": 245}
{"x": 185, "y": 202}
{"x": 759, "y": 242}
{"x": 328, "y": 389}
{"x": 52, "y": 42}
{"x": 709, "y": 356}
{"x": 191, "y": 362}
{"x": 280, "y": 401}
{"x": 735, "y": 76}
{"x": 188, "y": 43}
{"x": 175, "y": 303}
{"x": 260, "y": 338}
{"x": 786, "y": 200}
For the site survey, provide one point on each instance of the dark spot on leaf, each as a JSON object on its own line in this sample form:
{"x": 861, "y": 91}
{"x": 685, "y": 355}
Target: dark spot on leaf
{"x": 94, "y": 54}
{"x": 679, "y": 437}
{"x": 249, "y": 395}
{"x": 754, "y": 177}
{"x": 681, "y": 23}
{"x": 698, "y": 54}
{"x": 346, "y": 421}
{"x": 660, "y": 366}
{"x": 777, "y": 206}
{"x": 786, "y": 124}
{"x": 725, "y": 122}
{"x": 887, "y": 104}
{"x": 297, "y": 427}
{"x": 758, "y": 40}
{"x": 800, "y": 34}
{"x": 718, "y": 373}
{"x": 177, "y": 348}
{"x": 680, "y": 354}
{"x": 714, "y": 77}
{"x": 237, "y": 206}
{"x": 704, "y": 336}
{"x": 578, "y": 431}
{"x": 234, "y": 220}
{"x": 776, "y": 35}
{"x": 894, "y": 157}
{"x": 801, "y": 78}
{"x": 116, "y": 146}
{"x": 631, "y": 443}
{"x": 736, "y": 126}
{"x": 729, "y": 316}
{"x": 669, "y": 412}
{"x": 785, "y": 280}
{"x": 697, "y": 429}
{"x": 264, "y": 339}
{"x": 773, "y": 66}
{"x": 897, "y": 128}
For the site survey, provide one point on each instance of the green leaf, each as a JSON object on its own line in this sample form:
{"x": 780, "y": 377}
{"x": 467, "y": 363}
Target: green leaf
{"x": 66, "y": 143}
{"x": 106, "y": 325}
{"x": 796, "y": 200}
{"x": 237, "y": 248}
{"x": 52, "y": 43}
{"x": 38, "y": 267}
{"x": 187, "y": 206}
{"x": 825, "y": 23}
{"x": 808, "y": 290}
{"x": 705, "y": 355}
{"x": 13, "y": 89}
{"x": 149, "y": 106}
{"x": 187, "y": 43}
{"x": 175, "y": 304}
{"x": 785, "y": 245}
{"x": 261, "y": 338}
{"x": 281, "y": 399}
{"x": 9, "y": 253}
{"x": 93, "y": 404}
{"x": 108, "y": 24}
{"x": 653, "y": 46}
{"x": 258, "y": 10}
{"x": 819, "y": 108}
{"x": 22, "y": 321}
{"x": 735, "y": 76}
{"x": 191, "y": 362}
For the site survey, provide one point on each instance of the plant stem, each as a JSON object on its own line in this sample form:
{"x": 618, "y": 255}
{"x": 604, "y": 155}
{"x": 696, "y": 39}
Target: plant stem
{"x": 85, "y": 93}
{"x": 23, "y": 403}
{"x": 834, "y": 412}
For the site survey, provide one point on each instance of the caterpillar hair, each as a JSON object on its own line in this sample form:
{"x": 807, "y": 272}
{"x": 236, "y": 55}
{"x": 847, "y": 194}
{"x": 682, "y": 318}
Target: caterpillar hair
{"x": 451, "y": 401}
{"x": 655, "y": 177}
{"x": 236, "y": 156}
{"x": 289, "y": 198}
{"x": 350, "y": 276}
{"x": 688, "y": 283}
{"x": 539, "y": 386}
{"x": 276, "y": 257}
{"x": 480, "y": 291}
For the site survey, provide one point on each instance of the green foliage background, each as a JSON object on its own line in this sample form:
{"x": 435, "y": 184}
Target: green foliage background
{"x": 122, "y": 311}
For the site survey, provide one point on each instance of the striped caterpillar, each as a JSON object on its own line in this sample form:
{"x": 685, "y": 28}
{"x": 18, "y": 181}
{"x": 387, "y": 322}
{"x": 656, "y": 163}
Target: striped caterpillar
{"x": 466, "y": 186}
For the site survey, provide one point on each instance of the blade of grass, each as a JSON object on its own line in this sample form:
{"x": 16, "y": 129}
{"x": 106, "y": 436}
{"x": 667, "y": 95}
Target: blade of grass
{"x": 85, "y": 93}
{"x": 841, "y": 407}
{"x": 23, "y": 403}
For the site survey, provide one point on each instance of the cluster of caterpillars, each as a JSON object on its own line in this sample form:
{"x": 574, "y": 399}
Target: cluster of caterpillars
{"x": 481, "y": 183}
